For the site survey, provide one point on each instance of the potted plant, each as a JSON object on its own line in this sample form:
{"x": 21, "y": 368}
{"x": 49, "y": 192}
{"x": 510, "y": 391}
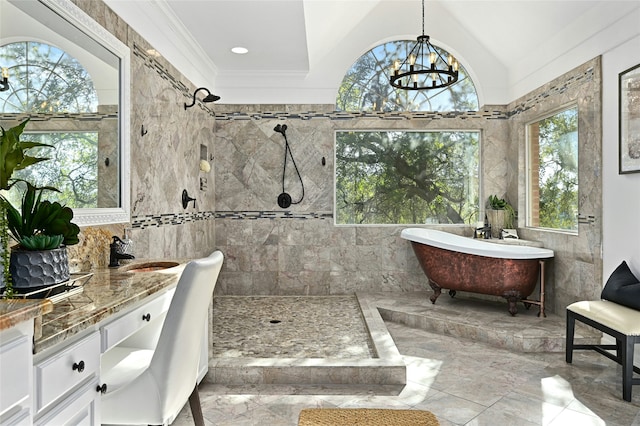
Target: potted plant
{"x": 13, "y": 157}
{"x": 43, "y": 230}
{"x": 500, "y": 215}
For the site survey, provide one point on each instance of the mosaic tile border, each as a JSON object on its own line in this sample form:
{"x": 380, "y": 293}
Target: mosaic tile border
{"x": 75, "y": 116}
{"x": 158, "y": 220}
{"x": 342, "y": 115}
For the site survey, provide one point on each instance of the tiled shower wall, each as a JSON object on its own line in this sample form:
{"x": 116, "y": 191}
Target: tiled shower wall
{"x": 165, "y": 148}
{"x": 299, "y": 250}
{"x": 269, "y": 250}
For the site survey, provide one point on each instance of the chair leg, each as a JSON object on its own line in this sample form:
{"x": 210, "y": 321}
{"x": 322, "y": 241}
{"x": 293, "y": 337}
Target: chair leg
{"x": 627, "y": 367}
{"x": 196, "y": 408}
{"x": 571, "y": 324}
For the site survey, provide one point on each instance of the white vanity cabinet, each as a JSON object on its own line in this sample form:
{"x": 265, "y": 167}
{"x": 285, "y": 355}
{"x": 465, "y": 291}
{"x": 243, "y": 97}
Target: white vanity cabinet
{"x": 66, "y": 378}
{"x": 60, "y": 384}
{"x": 15, "y": 374}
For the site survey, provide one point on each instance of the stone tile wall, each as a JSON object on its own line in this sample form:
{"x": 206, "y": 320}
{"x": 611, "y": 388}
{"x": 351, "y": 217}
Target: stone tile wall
{"x": 300, "y": 251}
{"x": 164, "y": 161}
{"x": 577, "y": 267}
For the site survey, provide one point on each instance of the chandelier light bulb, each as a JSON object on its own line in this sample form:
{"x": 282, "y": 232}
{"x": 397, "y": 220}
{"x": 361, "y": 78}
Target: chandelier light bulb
{"x": 432, "y": 58}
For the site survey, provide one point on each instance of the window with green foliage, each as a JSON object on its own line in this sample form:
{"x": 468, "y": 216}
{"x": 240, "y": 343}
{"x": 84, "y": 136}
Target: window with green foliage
{"x": 553, "y": 171}
{"x": 44, "y": 79}
{"x": 366, "y": 86}
{"x": 72, "y": 168}
{"x": 407, "y": 177}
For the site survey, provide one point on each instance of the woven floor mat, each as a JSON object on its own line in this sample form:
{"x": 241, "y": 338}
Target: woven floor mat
{"x": 365, "y": 417}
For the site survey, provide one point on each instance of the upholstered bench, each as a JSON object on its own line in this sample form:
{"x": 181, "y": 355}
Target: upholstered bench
{"x": 616, "y": 320}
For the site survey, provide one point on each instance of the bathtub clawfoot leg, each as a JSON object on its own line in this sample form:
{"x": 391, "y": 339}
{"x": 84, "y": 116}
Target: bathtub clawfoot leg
{"x": 512, "y": 297}
{"x": 437, "y": 290}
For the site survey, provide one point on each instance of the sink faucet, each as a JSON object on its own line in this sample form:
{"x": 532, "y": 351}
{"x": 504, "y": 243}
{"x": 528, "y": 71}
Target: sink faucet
{"x": 116, "y": 254}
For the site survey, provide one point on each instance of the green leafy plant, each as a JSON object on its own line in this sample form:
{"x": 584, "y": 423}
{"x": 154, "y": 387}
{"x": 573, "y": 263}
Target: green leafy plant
{"x": 41, "y": 225}
{"x": 496, "y": 203}
{"x": 12, "y": 157}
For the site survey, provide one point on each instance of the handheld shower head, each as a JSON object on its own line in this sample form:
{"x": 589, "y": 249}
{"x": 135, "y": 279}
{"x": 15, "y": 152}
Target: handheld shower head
{"x": 281, "y": 128}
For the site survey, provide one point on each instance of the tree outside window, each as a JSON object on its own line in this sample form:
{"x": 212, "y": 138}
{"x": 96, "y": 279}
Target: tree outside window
{"x": 46, "y": 80}
{"x": 402, "y": 177}
{"x": 553, "y": 178}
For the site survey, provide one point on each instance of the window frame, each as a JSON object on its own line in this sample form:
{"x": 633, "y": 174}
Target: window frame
{"x": 529, "y": 167}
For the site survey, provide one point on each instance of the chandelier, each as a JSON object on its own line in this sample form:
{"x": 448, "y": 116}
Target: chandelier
{"x": 425, "y": 67}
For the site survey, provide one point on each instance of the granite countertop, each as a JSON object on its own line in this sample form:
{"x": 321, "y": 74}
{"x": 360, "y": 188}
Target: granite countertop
{"x": 107, "y": 292}
{"x": 15, "y": 311}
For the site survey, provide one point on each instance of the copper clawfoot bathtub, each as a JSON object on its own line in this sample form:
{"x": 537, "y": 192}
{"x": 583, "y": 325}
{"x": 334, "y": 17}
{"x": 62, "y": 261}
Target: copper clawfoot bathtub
{"x": 458, "y": 263}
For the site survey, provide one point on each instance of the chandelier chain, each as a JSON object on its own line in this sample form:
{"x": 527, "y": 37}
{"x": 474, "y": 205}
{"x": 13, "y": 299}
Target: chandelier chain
{"x": 422, "y": 17}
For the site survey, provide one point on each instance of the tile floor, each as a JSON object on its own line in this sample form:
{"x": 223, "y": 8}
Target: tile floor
{"x": 461, "y": 380}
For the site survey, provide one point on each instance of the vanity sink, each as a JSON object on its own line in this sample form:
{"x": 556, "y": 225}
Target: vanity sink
{"x": 149, "y": 266}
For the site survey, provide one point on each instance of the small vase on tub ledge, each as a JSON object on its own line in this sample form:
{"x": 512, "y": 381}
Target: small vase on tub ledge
{"x": 43, "y": 230}
{"x": 500, "y": 215}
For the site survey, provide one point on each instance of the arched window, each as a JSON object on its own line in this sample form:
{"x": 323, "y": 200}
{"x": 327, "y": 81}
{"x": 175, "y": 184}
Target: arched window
{"x": 45, "y": 79}
{"x": 366, "y": 86}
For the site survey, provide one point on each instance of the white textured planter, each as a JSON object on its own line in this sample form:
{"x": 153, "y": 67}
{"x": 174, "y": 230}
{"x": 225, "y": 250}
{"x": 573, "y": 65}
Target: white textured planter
{"x": 31, "y": 270}
{"x": 496, "y": 219}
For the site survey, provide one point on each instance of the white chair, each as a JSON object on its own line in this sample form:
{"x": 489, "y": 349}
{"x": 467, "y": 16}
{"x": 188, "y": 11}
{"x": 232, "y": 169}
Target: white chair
{"x": 152, "y": 386}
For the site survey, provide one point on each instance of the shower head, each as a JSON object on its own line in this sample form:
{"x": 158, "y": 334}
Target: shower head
{"x": 209, "y": 98}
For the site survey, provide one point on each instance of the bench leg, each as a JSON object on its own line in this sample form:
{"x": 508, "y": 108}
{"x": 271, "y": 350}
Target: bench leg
{"x": 627, "y": 367}
{"x": 571, "y": 324}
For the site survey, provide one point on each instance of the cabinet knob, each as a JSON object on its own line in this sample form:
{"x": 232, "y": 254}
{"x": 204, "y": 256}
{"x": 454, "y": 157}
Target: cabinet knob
{"x": 78, "y": 366}
{"x": 102, "y": 389}
{"x": 146, "y": 317}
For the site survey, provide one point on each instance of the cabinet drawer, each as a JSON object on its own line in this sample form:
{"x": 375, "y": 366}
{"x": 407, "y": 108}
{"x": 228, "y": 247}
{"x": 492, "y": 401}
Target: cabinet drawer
{"x": 15, "y": 357}
{"x": 62, "y": 371}
{"x": 80, "y": 408}
{"x": 117, "y": 330}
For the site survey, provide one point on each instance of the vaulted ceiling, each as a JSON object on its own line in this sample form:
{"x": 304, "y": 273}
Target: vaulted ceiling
{"x": 299, "y": 50}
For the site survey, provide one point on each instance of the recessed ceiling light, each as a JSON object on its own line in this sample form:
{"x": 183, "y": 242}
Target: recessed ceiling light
{"x": 239, "y": 50}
